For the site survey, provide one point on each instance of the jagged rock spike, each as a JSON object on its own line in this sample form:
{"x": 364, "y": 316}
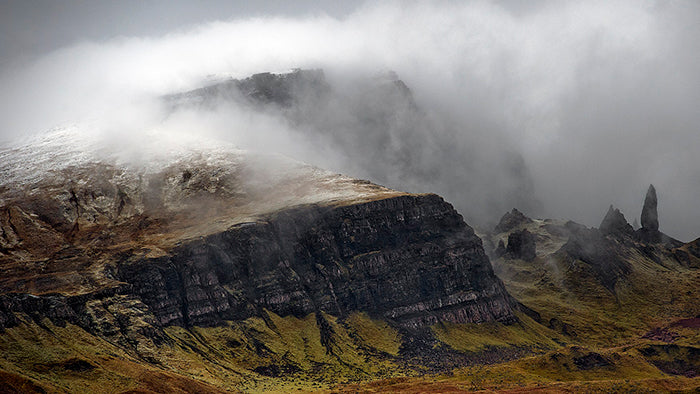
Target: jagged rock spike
{"x": 615, "y": 223}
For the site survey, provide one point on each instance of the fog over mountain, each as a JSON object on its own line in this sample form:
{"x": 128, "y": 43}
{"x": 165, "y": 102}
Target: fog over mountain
{"x": 587, "y": 103}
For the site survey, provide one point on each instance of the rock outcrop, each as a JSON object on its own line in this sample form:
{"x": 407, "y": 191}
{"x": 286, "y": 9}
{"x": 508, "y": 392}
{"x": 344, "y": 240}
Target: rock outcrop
{"x": 614, "y": 223}
{"x": 599, "y": 252}
{"x": 650, "y": 215}
{"x": 511, "y": 220}
{"x": 649, "y": 232}
{"x": 521, "y": 245}
{"x": 408, "y": 259}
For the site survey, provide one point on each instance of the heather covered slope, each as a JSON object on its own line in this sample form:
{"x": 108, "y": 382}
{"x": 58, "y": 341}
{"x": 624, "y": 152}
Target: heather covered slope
{"x": 629, "y": 298}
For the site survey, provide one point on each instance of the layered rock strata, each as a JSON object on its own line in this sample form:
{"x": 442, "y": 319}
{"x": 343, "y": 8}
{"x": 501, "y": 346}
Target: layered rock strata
{"x": 410, "y": 259}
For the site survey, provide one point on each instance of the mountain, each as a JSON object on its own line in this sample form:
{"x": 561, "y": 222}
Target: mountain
{"x": 121, "y": 271}
{"x": 374, "y": 128}
{"x": 630, "y": 294}
{"x": 178, "y": 263}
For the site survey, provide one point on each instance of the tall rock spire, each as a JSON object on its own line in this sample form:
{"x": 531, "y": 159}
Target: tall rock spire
{"x": 650, "y": 217}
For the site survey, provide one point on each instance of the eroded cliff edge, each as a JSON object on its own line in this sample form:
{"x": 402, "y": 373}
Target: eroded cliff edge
{"x": 410, "y": 259}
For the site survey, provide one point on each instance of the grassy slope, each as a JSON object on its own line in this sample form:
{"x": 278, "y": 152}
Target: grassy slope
{"x": 256, "y": 355}
{"x": 273, "y": 354}
{"x": 276, "y": 354}
{"x": 654, "y": 293}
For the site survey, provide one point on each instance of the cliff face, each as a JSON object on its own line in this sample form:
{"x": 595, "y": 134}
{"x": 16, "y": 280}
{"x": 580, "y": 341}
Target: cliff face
{"x": 410, "y": 259}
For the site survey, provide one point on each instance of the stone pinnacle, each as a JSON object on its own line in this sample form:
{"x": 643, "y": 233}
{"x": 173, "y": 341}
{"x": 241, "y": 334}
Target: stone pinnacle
{"x": 650, "y": 216}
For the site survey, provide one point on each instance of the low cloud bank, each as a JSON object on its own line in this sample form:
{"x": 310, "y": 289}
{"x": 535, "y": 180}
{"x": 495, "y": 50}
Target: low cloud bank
{"x": 599, "y": 99}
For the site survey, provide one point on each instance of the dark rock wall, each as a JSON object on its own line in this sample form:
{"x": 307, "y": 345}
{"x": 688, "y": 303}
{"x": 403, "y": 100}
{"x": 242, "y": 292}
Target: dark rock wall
{"x": 411, "y": 259}
{"x": 521, "y": 245}
{"x": 601, "y": 253}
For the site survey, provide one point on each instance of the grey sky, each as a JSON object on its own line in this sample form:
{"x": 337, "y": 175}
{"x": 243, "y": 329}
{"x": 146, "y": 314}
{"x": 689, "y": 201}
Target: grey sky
{"x": 599, "y": 97}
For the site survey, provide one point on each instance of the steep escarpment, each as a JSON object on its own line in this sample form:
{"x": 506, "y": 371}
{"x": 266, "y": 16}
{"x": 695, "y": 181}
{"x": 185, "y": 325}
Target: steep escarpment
{"x": 206, "y": 238}
{"x": 226, "y": 268}
{"x": 410, "y": 259}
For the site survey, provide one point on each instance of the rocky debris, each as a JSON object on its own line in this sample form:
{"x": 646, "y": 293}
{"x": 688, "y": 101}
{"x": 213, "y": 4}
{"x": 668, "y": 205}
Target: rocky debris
{"x": 614, "y": 223}
{"x": 421, "y": 347}
{"x": 521, "y": 245}
{"x": 650, "y": 216}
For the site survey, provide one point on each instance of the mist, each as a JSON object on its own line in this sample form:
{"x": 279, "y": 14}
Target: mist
{"x": 592, "y": 100}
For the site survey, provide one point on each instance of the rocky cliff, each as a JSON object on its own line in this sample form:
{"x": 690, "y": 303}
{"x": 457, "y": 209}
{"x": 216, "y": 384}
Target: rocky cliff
{"x": 200, "y": 242}
{"x": 409, "y": 259}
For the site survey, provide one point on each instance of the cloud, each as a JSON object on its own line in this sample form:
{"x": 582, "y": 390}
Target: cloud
{"x": 599, "y": 98}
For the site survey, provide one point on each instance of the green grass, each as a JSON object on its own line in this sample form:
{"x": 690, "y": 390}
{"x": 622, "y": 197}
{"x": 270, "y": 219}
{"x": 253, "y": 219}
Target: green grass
{"x": 526, "y": 333}
{"x": 651, "y": 295}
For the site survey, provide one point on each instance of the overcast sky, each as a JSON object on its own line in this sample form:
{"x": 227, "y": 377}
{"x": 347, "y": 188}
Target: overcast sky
{"x": 600, "y": 98}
